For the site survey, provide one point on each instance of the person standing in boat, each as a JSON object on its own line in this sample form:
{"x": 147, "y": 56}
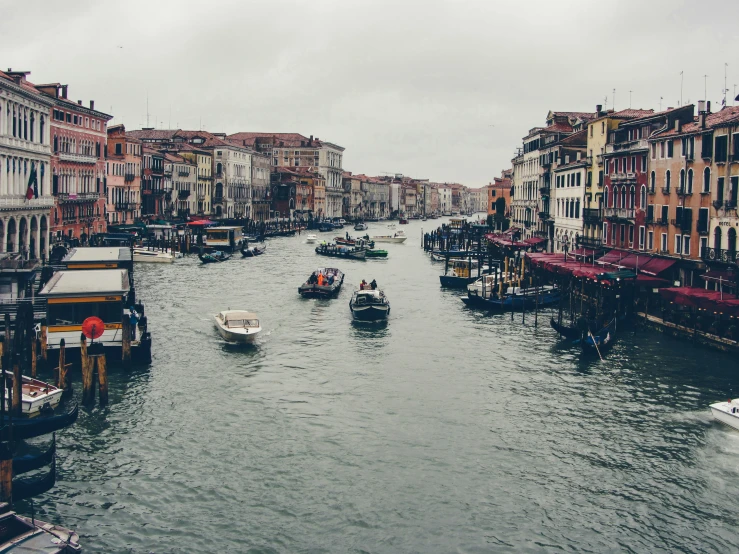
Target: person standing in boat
{"x": 373, "y": 284}
{"x": 363, "y": 285}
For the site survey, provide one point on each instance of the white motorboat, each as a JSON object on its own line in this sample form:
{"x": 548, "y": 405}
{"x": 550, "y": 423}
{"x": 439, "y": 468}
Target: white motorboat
{"x": 36, "y": 395}
{"x": 153, "y": 256}
{"x": 727, "y": 413}
{"x": 485, "y": 284}
{"x": 361, "y": 226}
{"x": 369, "y": 305}
{"x": 310, "y": 239}
{"x": 397, "y": 237}
{"x": 237, "y": 325}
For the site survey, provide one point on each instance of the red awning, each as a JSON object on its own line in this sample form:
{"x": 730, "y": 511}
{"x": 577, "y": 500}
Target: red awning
{"x": 709, "y": 300}
{"x": 587, "y": 252}
{"x": 534, "y": 240}
{"x": 202, "y": 222}
{"x": 644, "y": 280}
{"x": 728, "y": 277}
{"x": 612, "y": 257}
{"x": 655, "y": 266}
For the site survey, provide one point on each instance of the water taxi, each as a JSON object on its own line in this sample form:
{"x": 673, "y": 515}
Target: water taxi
{"x": 153, "y": 256}
{"x": 397, "y": 237}
{"x": 361, "y": 226}
{"x": 311, "y": 238}
{"x": 73, "y": 296}
{"x": 237, "y": 326}
{"x": 727, "y": 413}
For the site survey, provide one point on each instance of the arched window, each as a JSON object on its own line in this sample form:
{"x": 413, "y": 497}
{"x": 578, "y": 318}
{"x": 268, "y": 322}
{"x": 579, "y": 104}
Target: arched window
{"x": 731, "y": 247}
{"x": 652, "y": 181}
{"x": 623, "y": 196}
{"x": 690, "y": 181}
{"x": 717, "y": 238}
{"x": 632, "y": 194}
{"x": 682, "y": 181}
{"x": 667, "y": 181}
{"x": 707, "y": 180}
{"x": 42, "y": 124}
{"x": 643, "y": 197}
{"x": 605, "y": 196}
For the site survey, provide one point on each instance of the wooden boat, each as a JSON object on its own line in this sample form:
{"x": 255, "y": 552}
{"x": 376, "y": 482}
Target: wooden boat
{"x": 565, "y": 331}
{"x": 27, "y": 428}
{"x": 372, "y": 253}
{"x": 252, "y": 251}
{"x": 337, "y": 251}
{"x": 403, "y": 221}
{"x": 214, "y": 257}
{"x": 516, "y": 299}
{"x": 31, "y": 536}
{"x": 28, "y": 487}
{"x": 32, "y": 462}
{"x": 369, "y": 305}
{"x": 397, "y": 237}
{"x": 459, "y": 276}
{"x": 332, "y": 286}
{"x": 237, "y": 326}
{"x": 726, "y": 413}
{"x": 36, "y": 395}
{"x": 362, "y": 241}
{"x": 310, "y": 239}
{"x": 598, "y": 342}
{"x": 153, "y": 256}
{"x": 280, "y": 233}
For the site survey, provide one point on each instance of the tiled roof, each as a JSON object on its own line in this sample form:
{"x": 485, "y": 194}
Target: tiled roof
{"x": 721, "y": 118}
{"x": 557, "y": 128}
{"x": 577, "y": 115}
{"x": 631, "y": 113}
{"x": 289, "y": 140}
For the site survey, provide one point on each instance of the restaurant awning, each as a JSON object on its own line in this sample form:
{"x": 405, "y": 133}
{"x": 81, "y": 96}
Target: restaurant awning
{"x": 201, "y": 222}
{"x": 709, "y": 300}
{"x": 728, "y": 277}
{"x": 655, "y": 266}
{"x": 534, "y": 241}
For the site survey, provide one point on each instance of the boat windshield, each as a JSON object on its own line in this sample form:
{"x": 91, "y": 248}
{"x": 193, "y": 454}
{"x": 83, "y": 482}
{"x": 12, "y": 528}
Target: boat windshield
{"x": 242, "y": 323}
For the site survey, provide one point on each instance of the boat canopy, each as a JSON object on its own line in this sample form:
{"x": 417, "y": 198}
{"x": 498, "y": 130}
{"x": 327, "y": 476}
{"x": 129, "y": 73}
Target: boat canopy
{"x": 238, "y": 318}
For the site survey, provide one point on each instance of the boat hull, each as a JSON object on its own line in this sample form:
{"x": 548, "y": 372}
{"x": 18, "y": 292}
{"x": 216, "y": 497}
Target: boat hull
{"x": 370, "y": 313}
{"x": 377, "y": 253}
{"x": 314, "y": 291}
{"x": 396, "y": 240}
{"x": 450, "y": 282}
{"x": 237, "y": 338}
{"x": 722, "y": 413}
{"x": 152, "y": 257}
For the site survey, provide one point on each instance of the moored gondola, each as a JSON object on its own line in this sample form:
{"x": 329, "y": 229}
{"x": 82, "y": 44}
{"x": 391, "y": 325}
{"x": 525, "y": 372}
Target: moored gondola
{"x": 214, "y": 257}
{"x": 322, "y": 283}
{"x": 252, "y": 251}
{"x": 596, "y": 343}
{"x": 565, "y": 331}
{"x": 27, "y": 428}
{"x": 31, "y": 462}
{"x": 28, "y": 487}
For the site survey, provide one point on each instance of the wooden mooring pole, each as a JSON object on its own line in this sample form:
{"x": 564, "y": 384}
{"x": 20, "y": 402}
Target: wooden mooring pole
{"x": 17, "y": 386}
{"x": 44, "y": 345}
{"x": 6, "y": 474}
{"x": 126, "y": 345}
{"x": 59, "y": 371}
{"x": 86, "y": 363}
{"x": 102, "y": 379}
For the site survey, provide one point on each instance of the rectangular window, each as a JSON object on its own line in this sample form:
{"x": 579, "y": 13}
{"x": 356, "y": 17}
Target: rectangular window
{"x": 703, "y": 220}
{"x": 650, "y": 240}
{"x": 642, "y": 234}
{"x": 678, "y": 244}
{"x": 665, "y": 214}
{"x": 643, "y": 164}
{"x": 633, "y": 164}
{"x": 704, "y": 246}
{"x": 614, "y": 230}
{"x": 623, "y": 234}
{"x": 733, "y": 191}
{"x": 721, "y": 148}
{"x": 686, "y": 245}
{"x": 654, "y": 150}
{"x": 662, "y": 149}
{"x": 707, "y": 145}
{"x": 605, "y": 232}
{"x": 735, "y": 144}
{"x": 663, "y": 242}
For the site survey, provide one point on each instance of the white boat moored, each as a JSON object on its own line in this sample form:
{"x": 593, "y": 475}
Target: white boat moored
{"x": 727, "y": 413}
{"x": 152, "y": 256}
{"x": 310, "y": 239}
{"x": 35, "y": 395}
{"x": 237, "y": 325}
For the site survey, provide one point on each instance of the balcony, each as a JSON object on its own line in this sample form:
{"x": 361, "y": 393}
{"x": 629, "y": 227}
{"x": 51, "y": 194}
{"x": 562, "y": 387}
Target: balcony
{"x": 592, "y": 215}
{"x": 14, "y": 202}
{"x": 183, "y": 194}
{"x": 718, "y": 255}
{"x": 702, "y": 228}
{"x": 626, "y": 214}
{"x": 68, "y": 197}
{"x": 730, "y": 204}
{"x": 590, "y": 242}
{"x": 665, "y": 190}
{"x": 544, "y": 190}
{"x": 129, "y": 177}
{"x": 640, "y": 144}
{"x": 682, "y": 191}
{"x": 183, "y": 173}
{"x": 218, "y": 199}
{"x": 599, "y": 159}
{"x": 717, "y": 204}
{"x": 77, "y": 158}
{"x": 543, "y": 215}
{"x": 201, "y": 197}
{"x": 125, "y": 206}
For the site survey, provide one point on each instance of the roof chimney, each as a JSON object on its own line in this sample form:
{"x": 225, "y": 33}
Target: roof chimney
{"x": 701, "y": 106}
{"x": 64, "y": 91}
{"x": 702, "y": 119}
{"x": 598, "y": 109}
{"x": 79, "y": 102}
{"x": 708, "y": 107}
{"x": 92, "y": 104}
{"x": 678, "y": 125}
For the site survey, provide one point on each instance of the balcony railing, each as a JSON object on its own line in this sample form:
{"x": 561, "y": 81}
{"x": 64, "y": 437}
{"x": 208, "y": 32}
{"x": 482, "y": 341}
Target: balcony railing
{"x": 665, "y": 190}
{"x": 718, "y": 255}
{"x": 12, "y": 202}
{"x": 124, "y": 206}
{"x": 543, "y": 215}
{"x": 640, "y": 144}
{"x": 128, "y": 177}
{"x": 544, "y": 190}
{"x": 619, "y": 213}
{"x": 65, "y": 197}
{"x": 78, "y": 158}
{"x": 183, "y": 194}
{"x": 183, "y": 173}
{"x": 217, "y": 199}
{"x": 591, "y": 215}
{"x": 590, "y": 242}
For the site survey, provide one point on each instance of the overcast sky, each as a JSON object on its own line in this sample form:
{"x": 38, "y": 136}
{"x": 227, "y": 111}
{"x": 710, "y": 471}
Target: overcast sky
{"x": 433, "y": 89}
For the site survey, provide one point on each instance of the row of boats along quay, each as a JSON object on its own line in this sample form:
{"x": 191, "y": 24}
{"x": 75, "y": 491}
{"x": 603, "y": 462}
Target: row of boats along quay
{"x": 85, "y": 323}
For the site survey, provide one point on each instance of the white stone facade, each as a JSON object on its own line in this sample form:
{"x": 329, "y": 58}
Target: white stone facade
{"x": 24, "y": 144}
{"x": 567, "y": 203}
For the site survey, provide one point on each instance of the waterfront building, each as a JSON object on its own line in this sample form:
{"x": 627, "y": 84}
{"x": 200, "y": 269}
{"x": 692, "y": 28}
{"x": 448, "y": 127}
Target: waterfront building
{"x": 625, "y": 193}
{"x": 445, "y": 199}
{"x": 295, "y": 150}
{"x": 123, "y": 170}
{"x": 25, "y": 141}
{"x": 261, "y": 200}
{"x": 408, "y": 199}
{"x": 694, "y": 184}
{"x": 598, "y": 132}
{"x": 184, "y": 181}
{"x": 499, "y": 200}
{"x": 567, "y": 201}
{"x": 353, "y": 201}
{"x": 152, "y": 183}
{"x": 78, "y": 138}
{"x": 434, "y": 198}
{"x": 377, "y": 197}
{"x": 293, "y": 192}
{"x": 202, "y": 159}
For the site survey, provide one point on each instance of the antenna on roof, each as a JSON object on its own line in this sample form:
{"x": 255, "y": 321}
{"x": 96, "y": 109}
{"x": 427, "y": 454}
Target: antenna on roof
{"x": 705, "y": 87}
{"x": 147, "y": 108}
{"x": 630, "y": 98}
{"x": 614, "y": 100}
{"x": 681, "y": 88}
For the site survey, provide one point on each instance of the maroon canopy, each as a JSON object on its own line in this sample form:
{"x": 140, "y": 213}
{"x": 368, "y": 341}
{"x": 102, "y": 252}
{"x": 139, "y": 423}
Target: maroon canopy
{"x": 710, "y": 300}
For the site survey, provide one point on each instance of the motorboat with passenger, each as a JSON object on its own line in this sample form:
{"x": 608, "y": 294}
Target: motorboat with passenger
{"x": 361, "y": 226}
{"x": 726, "y": 413}
{"x": 322, "y": 283}
{"x": 311, "y": 238}
{"x": 339, "y": 251}
{"x": 237, "y": 326}
{"x": 369, "y": 305}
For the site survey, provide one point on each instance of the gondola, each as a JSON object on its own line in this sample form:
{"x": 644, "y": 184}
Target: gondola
{"x": 252, "y": 251}
{"x": 213, "y": 258}
{"x": 37, "y": 426}
{"x": 31, "y": 462}
{"x": 28, "y": 487}
{"x": 600, "y": 341}
{"x": 311, "y": 288}
{"x": 569, "y": 333}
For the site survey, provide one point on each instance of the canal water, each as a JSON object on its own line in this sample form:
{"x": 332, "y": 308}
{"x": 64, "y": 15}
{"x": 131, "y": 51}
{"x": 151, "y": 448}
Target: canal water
{"x": 447, "y": 430}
